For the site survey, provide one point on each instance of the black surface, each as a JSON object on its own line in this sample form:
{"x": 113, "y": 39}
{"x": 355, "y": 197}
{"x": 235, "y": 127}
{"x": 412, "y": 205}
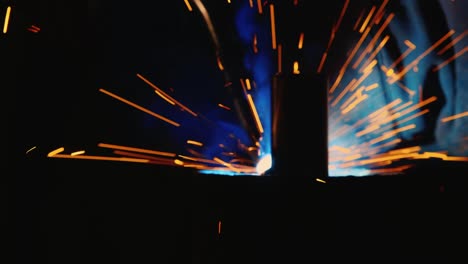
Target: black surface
{"x": 93, "y": 212}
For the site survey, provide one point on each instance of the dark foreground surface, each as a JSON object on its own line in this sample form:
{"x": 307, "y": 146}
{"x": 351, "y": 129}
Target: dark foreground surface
{"x": 68, "y": 211}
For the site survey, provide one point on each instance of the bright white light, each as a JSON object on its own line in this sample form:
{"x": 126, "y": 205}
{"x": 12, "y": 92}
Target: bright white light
{"x": 264, "y": 164}
{"x": 358, "y": 172}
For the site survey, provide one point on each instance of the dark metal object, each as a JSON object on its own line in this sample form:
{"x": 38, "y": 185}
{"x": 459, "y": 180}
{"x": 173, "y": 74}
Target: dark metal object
{"x": 299, "y": 128}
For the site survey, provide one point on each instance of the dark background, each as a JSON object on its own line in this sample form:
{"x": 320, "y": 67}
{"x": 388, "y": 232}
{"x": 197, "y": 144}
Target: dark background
{"x": 69, "y": 211}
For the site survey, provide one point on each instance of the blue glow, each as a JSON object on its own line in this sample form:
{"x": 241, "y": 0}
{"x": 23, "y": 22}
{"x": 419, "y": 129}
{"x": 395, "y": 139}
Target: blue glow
{"x": 357, "y": 172}
{"x": 260, "y": 65}
{"x": 226, "y": 173}
{"x": 421, "y": 24}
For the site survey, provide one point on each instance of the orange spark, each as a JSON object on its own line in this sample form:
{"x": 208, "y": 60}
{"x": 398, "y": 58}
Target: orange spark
{"x": 451, "y": 158}
{"x": 198, "y": 159}
{"x": 411, "y": 47}
{"x": 189, "y": 7}
{"x": 273, "y": 28}
{"x": 34, "y": 29}
{"x": 7, "y": 19}
{"x": 358, "y": 20}
{"x": 301, "y": 41}
{"x": 296, "y": 68}
{"x": 406, "y": 89}
{"x": 392, "y": 133}
{"x": 386, "y": 158}
{"x": 453, "y": 117}
{"x": 247, "y": 84}
{"x": 414, "y": 63}
{"x": 322, "y": 61}
{"x": 223, "y": 106}
{"x": 244, "y": 88}
{"x": 340, "y": 19}
{"x": 364, "y": 24}
{"x": 369, "y": 67}
{"x": 340, "y": 149}
{"x": 140, "y": 108}
{"x": 100, "y": 158}
{"x": 372, "y": 87}
{"x": 220, "y": 63}
{"x": 390, "y": 170}
{"x": 55, "y": 152}
{"x": 379, "y": 13}
{"x": 405, "y": 150}
{"x": 151, "y": 159}
{"x": 352, "y": 105}
{"x": 80, "y": 152}
{"x": 178, "y": 162}
{"x": 228, "y": 165}
{"x": 332, "y": 37}
{"x": 453, "y": 42}
{"x": 452, "y": 58}
{"x": 391, "y": 126}
{"x": 353, "y": 157}
{"x": 254, "y": 44}
{"x": 408, "y": 110}
{"x": 259, "y": 6}
{"x": 134, "y": 149}
{"x": 165, "y": 96}
{"x": 348, "y": 60}
{"x": 255, "y": 113}
{"x": 280, "y": 55}
{"x": 193, "y": 142}
{"x": 371, "y": 44}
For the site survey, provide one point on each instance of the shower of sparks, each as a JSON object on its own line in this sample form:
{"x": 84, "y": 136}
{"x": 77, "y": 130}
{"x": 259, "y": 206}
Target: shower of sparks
{"x": 362, "y": 140}
{"x": 368, "y": 145}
